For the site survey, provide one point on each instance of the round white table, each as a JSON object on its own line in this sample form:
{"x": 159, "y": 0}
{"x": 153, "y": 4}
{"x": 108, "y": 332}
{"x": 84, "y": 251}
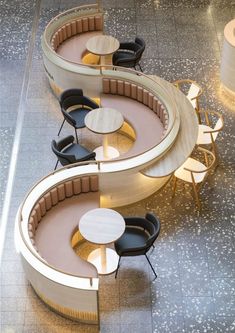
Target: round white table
{"x": 104, "y": 46}
{"x": 104, "y": 121}
{"x": 102, "y": 226}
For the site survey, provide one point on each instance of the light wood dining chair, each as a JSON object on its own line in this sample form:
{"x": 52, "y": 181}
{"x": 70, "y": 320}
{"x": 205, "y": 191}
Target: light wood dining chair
{"x": 211, "y": 124}
{"x": 194, "y": 171}
{"x": 192, "y": 90}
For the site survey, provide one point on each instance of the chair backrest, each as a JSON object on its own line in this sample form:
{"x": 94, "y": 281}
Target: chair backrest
{"x": 70, "y": 95}
{"x": 57, "y": 148}
{"x": 70, "y": 92}
{"x": 141, "y": 43}
{"x": 65, "y": 158}
{"x": 153, "y": 228}
{"x": 218, "y": 126}
{"x": 132, "y": 58}
{"x": 130, "y": 46}
{"x": 210, "y": 118}
{"x": 78, "y": 100}
{"x": 201, "y": 168}
{"x": 193, "y": 91}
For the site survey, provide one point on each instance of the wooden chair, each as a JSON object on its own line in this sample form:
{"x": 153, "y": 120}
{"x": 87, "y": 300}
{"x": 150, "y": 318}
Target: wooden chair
{"x": 192, "y": 90}
{"x": 195, "y": 172}
{"x": 211, "y": 124}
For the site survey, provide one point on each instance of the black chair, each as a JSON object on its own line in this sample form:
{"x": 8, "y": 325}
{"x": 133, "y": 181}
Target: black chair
{"x": 82, "y": 105}
{"x": 139, "y": 236}
{"x": 69, "y": 152}
{"x": 129, "y": 54}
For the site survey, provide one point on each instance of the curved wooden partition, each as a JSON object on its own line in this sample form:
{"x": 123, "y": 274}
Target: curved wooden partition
{"x": 142, "y": 171}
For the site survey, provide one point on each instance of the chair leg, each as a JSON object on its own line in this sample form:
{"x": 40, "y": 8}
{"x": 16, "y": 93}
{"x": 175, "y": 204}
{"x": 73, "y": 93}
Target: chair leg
{"x": 217, "y": 161}
{"x": 215, "y": 152}
{"x": 197, "y": 109}
{"x": 196, "y": 196}
{"x": 76, "y": 134}
{"x": 206, "y": 159}
{"x": 61, "y": 127}
{"x": 140, "y": 68}
{"x": 56, "y": 165}
{"x": 117, "y": 267}
{"x": 153, "y": 247}
{"x": 151, "y": 266}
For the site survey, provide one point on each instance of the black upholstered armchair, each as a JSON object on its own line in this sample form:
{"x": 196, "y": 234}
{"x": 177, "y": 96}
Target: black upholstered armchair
{"x": 69, "y": 152}
{"x": 139, "y": 236}
{"x": 80, "y": 105}
{"x": 129, "y": 54}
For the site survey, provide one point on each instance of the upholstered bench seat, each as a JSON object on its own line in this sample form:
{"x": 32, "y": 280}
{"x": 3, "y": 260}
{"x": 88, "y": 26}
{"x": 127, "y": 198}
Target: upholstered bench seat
{"x": 74, "y": 48}
{"x": 55, "y": 231}
{"x": 147, "y": 125}
{"x": 54, "y": 221}
{"x": 69, "y": 41}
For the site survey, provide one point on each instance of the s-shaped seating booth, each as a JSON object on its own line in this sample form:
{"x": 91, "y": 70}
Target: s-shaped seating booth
{"x": 163, "y": 126}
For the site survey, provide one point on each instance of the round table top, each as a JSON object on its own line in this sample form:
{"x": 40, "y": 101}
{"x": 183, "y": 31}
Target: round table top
{"x": 104, "y": 120}
{"x": 101, "y": 225}
{"x": 102, "y": 45}
{"x": 229, "y": 32}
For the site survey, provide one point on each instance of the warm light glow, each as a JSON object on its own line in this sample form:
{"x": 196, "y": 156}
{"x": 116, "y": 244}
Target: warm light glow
{"x": 56, "y": 89}
{"x": 107, "y": 265}
{"x": 209, "y": 10}
{"x": 111, "y": 153}
{"x": 227, "y": 96}
{"x": 96, "y": 100}
{"x": 228, "y": 91}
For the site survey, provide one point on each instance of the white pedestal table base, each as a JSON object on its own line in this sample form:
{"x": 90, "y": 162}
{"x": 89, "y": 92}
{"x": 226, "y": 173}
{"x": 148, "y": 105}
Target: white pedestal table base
{"x": 104, "y": 259}
{"x": 111, "y": 153}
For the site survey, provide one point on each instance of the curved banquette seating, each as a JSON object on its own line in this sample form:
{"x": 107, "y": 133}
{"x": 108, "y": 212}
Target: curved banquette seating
{"x": 47, "y": 220}
{"x": 54, "y": 220}
{"x": 143, "y": 111}
{"x": 47, "y": 231}
{"x": 69, "y": 41}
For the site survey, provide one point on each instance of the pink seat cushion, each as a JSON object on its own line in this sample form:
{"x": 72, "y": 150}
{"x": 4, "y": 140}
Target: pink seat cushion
{"x": 148, "y": 127}
{"x": 74, "y": 48}
{"x": 54, "y": 233}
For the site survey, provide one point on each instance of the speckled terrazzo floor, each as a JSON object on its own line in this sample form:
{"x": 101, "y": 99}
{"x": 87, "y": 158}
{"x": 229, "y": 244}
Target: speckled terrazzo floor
{"x": 194, "y": 255}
